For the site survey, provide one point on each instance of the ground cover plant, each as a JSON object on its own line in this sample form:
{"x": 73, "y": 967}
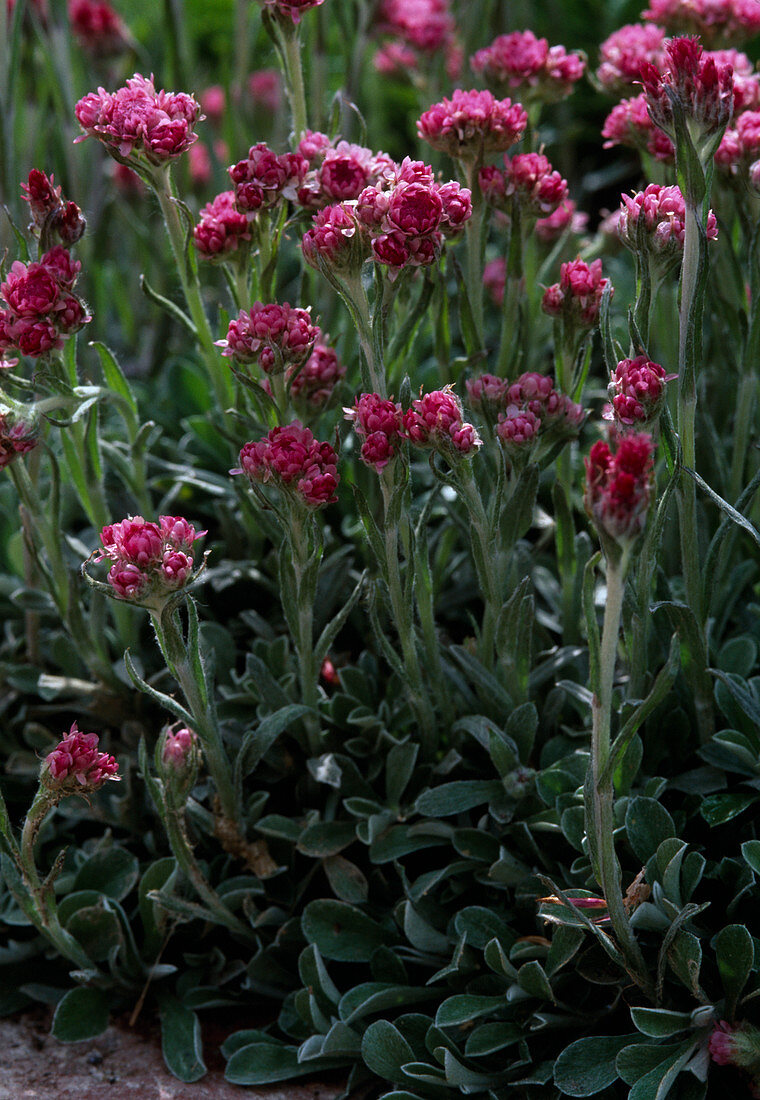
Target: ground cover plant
{"x": 379, "y": 538}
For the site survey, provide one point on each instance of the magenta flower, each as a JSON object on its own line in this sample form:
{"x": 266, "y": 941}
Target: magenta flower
{"x": 337, "y": 171}
{"x": 630, "y": 124}
{"x": 379, "y": 422}
{"x": 523, "y": 63}
{"x": 265, "y": 89}
{"x": 150, "y": 560}
{"x": 335, "y": 239}
{"x": 315, "y": 382}
{"x": 618, "y": 487}
{"x": 740, "y": 144}
{"x": 263, "y": 177}
{"x": 50, "y": 212}
{"x": 529, "y": 180}
{"x": 424, "y": 25}
{"x": 97, "y": 28}
{"x": 533, "y": 412}
{"x": 138, "y": 123}
{"x": 621, "y": 55}
{"x": 654, "y": 220}
{"x": 472, "y": 123}
{"x": 494, "y": 279}
{"x": 566, "y": 216}
{"x": 715, "y": 20}
{"x": 42, "y": 311}
{"x": 487, "y": 394}
{"x": 436, "y": 422}
{"x": 637, "y": 391}
{"x": 274, "y": 336}
{"x": 76, "y": 766}
{"x": 703, "y": 89}
{"x": 179, "y": 747}
{"x": 19, "y": 433}
{"x": 221, "y": 228}
{"x": 291, "y": 459}
{"x": 578, "y": 294}
{"x": 291, "y": 9}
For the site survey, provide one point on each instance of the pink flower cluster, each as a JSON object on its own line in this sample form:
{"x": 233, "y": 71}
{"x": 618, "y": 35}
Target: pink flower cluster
{"x": 263, "y": 177}
{"x": 315, "y": 382}
{"x": 18, "y": 435}
{"x": 740, "y": 145}
{"x": 42, "y": 309}
{"x": 637, "y": 391}
{"x": 76, "y": 764}
{"x": 419, "y": 31}
{"x": 618, "y": 486}
{"x": 525, "y": 411}
{"x": 400, "y": 221}
{"x": 291, "y": 9}
{"x": 724, "y": 20}
{"x": 265, "y": 89}
{"x": 654, "y": 219}
{"x": 379, "y": 422}
{"x": 61, "y": 221}
{"x": 150, "y": 560}
{"x": 291, "y": 459}
{"x": 97, "y": 28}
{"x": 738, "y": 1045}
{"x": 526, "y": 64}
{"x": 529, "y": 180}
{"x": 221, "y": 228}
{"x": 565, "y": 217}
{"x": 274, "y": 336}
{"x": 702, "y": 87}
{"x": 436, "y": 422}
{"x": 621, "y": 55}
{"x": 337, "y": 171}
{"x": 471, "y": 124}
{"x": 629, "y": 124}
{"x": 138, "y": 123}
{"x": 577, "y": 295}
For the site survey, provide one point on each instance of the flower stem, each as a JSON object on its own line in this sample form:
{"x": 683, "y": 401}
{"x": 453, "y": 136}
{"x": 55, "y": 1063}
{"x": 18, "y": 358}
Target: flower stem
{"x": 291, "y": 54}
{"x": 474, "y": 246}
{"x": 600, "y": 815}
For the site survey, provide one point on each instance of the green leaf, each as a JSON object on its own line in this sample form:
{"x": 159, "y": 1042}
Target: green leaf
{"x": 262, "y": 1063}
{"x": 587, "y": 1066}
{"x": 647, "y": 824}
{"x": 717, "y": 809}
{"x": 532, "y": 978}
{"x": 342, "y": 932}
{"x": 348, "y": 882}
{"x": 111, "y": 871}
{"x": 97, "y": 929}
{"x": 660, "y": 1023}
{"x": 735, "y": 955}
{"x": 181, "y": 1040}
{"x": 725, "y": 507}
{"x": 326, "y": 838}
{"x": 490, "y": 1038}
{"x": 370, "y": 997}
{"x": 82, "y": 1013}
{"x": 456, "y": 797}
{"x": 751, "y": 854}
{"x": 399, "y": 767}
{"x": 385, "y": 1051}
{"x": 464, "y": 1007}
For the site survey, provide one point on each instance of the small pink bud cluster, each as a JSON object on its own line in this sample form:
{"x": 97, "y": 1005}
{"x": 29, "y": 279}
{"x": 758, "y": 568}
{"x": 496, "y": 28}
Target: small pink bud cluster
{"x": 221, "y": 229}
{"x": 565, "y": 217}
{"x": 19, "y": 434}
{"x": 471, "y": 124}
{"x": 629, "y": 124}
{"x": 654, "y": 220}
{"x": 715, "y": 20}
{"x": 314, "y": 384}
{"x": 337, "y": 171}
{"x": 138, "y": 123}
{"x": 264, "y": 176}
{"x": 532, "y": 411}
{"x": 76, "y": 766}
{"x": 621, "y": 55}
{"x": 436, "y": 422}
{"x": 42, "y": 309}
{"x": 618, "y": 486}
{"x": 738, "y": 1045}
{"x": 746, "y": 80}
{"x": 150, "y": 560}
{"x": 335, "y": 238}
{"x": 577, "y": 295}
{"x": 637, "y": 391}
{"x": 291, "y": 459}
{"x": 379, "y": 422}
{"x": 179, "y": 746}
{"x": 487, "y": 394}
{"x": 420, "y": 30}
{"x": 528, "y": 65}
{"x": 703, "y": 89}
{"x": 60, "y": 221}
{"x": 274, "y": 336}
{"x": 740, "y": 145}
{"x": 291, "y": 9}
{"x": 97, "y": 28}
{"x": 529, "y": 180}
{"x": 495, "y": 279}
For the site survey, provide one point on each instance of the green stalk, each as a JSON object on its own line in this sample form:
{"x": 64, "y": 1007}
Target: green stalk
{"x": 187, "y": 670}
{"x": 304, "y": 587}
{"x": 474, "y": 247}
{"x": 687, "y": 407}
{"x": 403, "y": 618}
{"x": 746, "y": 398}
{"x": 290, "y": 46}
{"x": 600, "y": 816}
{"x": 220, "y": 378}
{"x": 486, "y": 559}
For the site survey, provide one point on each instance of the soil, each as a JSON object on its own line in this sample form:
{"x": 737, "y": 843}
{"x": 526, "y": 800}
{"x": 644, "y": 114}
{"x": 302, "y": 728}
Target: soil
{"x": 121, "y": 1064}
